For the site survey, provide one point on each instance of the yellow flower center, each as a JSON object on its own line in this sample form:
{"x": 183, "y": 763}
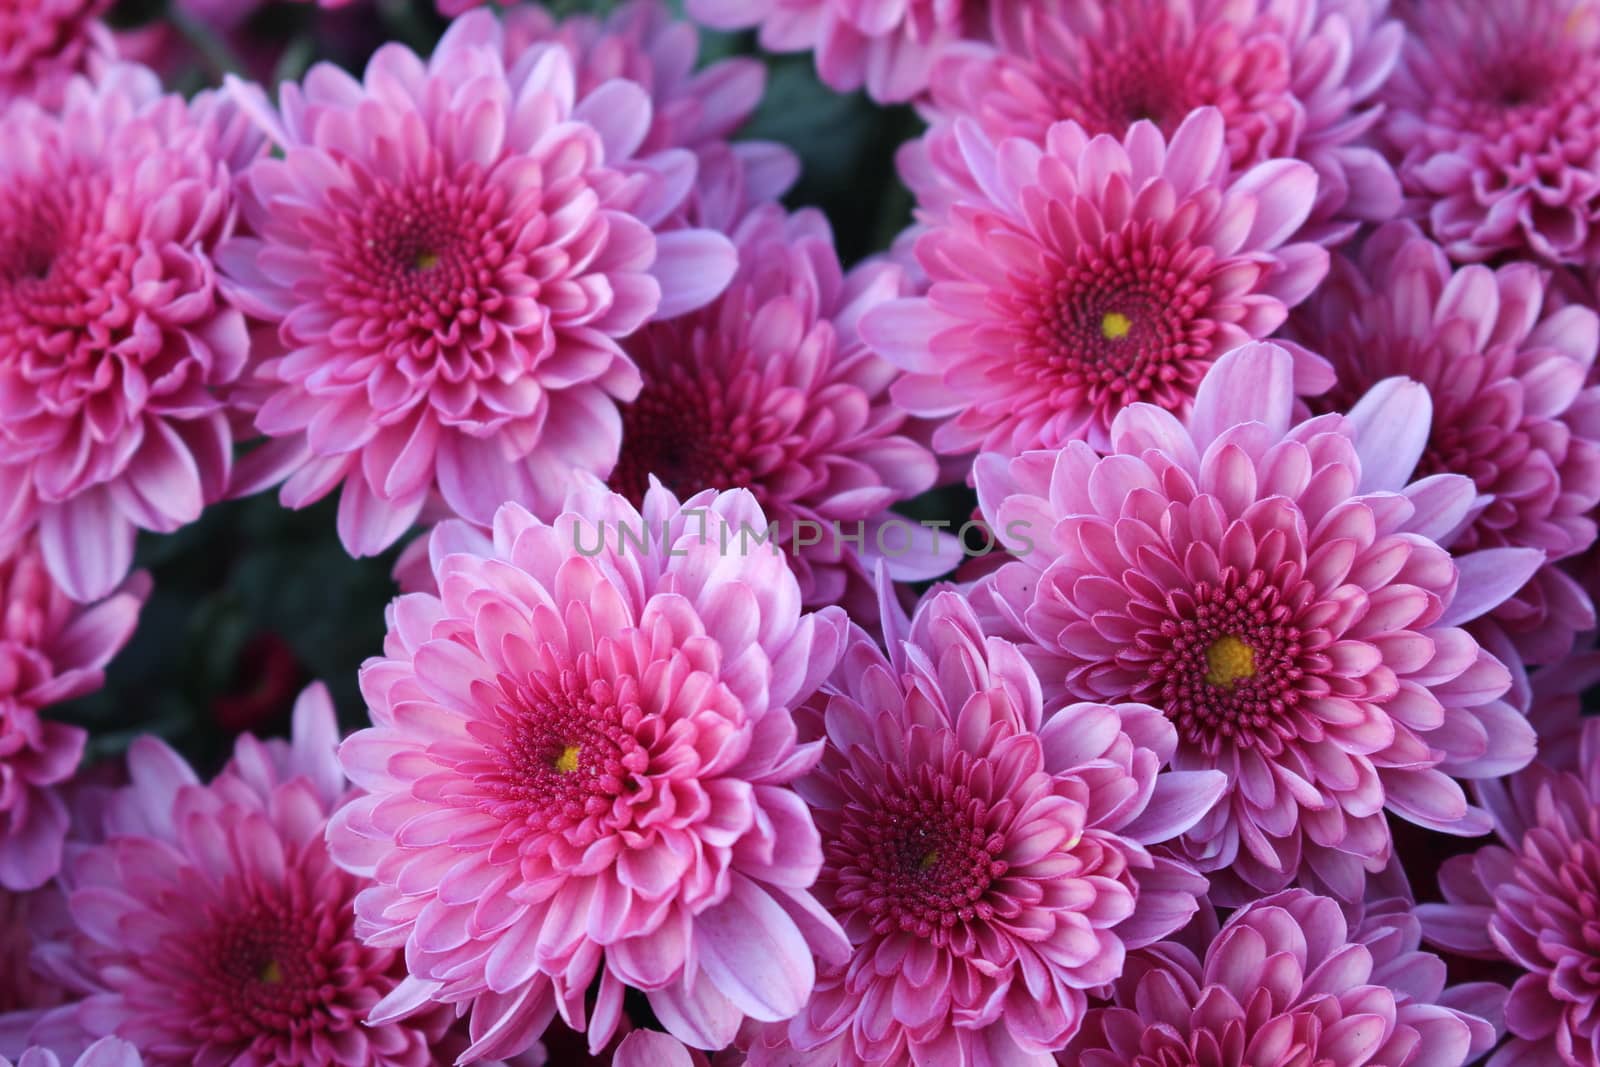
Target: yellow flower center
{"x": 567, "y": 762}
{"x": 272, "y": 973}
{"x": 1228, "y": 660}
{"x": 928, "y": 860}
{"x": 426, "y": 260}
{"x": 1115, "y": 326}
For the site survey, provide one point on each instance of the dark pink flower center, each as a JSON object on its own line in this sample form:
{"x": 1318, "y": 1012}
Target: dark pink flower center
{"x": 568, "y": 750}
{"x": 1123, "y": 323}
{"x": 1147, "y": 65}
{"x": 689, "y": 429}
{"x": 1227, "y": 663}
{"x": 918, "y": 855}
{"x": 57, "y": 279}
{"x": 419, "y": 266}
{"x": 1517, "y": 82}
{"x": 277, "y": 964}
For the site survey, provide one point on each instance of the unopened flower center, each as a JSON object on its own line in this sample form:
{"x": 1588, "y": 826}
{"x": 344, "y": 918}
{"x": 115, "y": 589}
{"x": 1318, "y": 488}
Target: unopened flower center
{"x": 690, "y": 428}
{"x": 918, "y": 857}
{"x": 270, "y": 965}
{"x": 1115, "y": 326}
{"x": 1228, "y": 660}
{"x": 426, "y": 260}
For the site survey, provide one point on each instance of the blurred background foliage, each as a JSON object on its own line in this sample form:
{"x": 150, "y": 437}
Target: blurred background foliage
{"x": 254, "y": 601}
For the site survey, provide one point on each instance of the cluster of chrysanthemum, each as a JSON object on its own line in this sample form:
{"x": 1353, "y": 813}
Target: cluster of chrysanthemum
{"x": 1264, "y": 332}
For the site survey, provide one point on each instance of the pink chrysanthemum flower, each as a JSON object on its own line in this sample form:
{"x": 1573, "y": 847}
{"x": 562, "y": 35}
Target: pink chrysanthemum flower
{"x": 644, "y": 42}
{"x": 580, "y": 770}
{"x": 1086, "y": 275}
{"x": 213, "y": 924}
{"x": 1292, "y": 78}
{"x": 888, "y": 46}
{"x": 51, "y": 650}
{"x": 107, "y": 1052}
{"x": 1277, "y": 590}
{"x": 44, "y": 43}
{"x": 1510, "y": 409}
{"x": 1491, "y": 119}
{"x": 1288, "y": 982}
{"x": 1531, "y": 900}
{"x": 451, "y": 252}
{"x": 985, "y": 855}
{"x": 113, "y": 337}
{"x": 771, "y": 389}
{"x": 641, "y": 41}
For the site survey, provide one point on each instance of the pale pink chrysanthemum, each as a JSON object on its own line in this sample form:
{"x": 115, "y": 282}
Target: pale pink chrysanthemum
{"x": 698, "y": 109}
{"x": 771, "y": 389}
{"x": 1292, "y": 78}
{"x": 1089, "y": 274}
{"x": 579, "y": 773}
{"x": 1289, "y": 981}
{"x": 451, "y": 251}
{"x": 45, "y": 43}
{"x": 886, "y": 46}
{"x": 51, "y": 650}
{"x": 1492, "y": 122}
{"x": 113, "y": 337}
{"x": 1278, "y": 591}
{"x": 984, "y": 851}
{"x": 1531, "y": 900}
{"x": 107, "y": 1052}
{"x": 1507, "y": 375}
{"x": 213, "y": 925}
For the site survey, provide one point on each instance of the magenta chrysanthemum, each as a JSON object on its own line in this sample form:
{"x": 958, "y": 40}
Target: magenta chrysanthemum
{"x": 580, "y": 770}
{"x": 1532, "y": 900}
{"x": 1087, "y": 275}
{"x": 888, "y": 46}
{"x": 1277, "y": 590}
{"x": 1288, "y": 983}
{"x": 213, "y": 925}
{"x": 1510, "y": 409}
{"x": 770, "y": 389}
{"x": 451, "y": 252}
{"x": 113, "y": 337}
{"x": 1493, "y": 123}
{"x": 51, "y": 650}
{"x": 1292, "y": 78}
{"x": 985, "y": 856}
{"x": 107, "y": 1052}
{"x": 44, "y": 43}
